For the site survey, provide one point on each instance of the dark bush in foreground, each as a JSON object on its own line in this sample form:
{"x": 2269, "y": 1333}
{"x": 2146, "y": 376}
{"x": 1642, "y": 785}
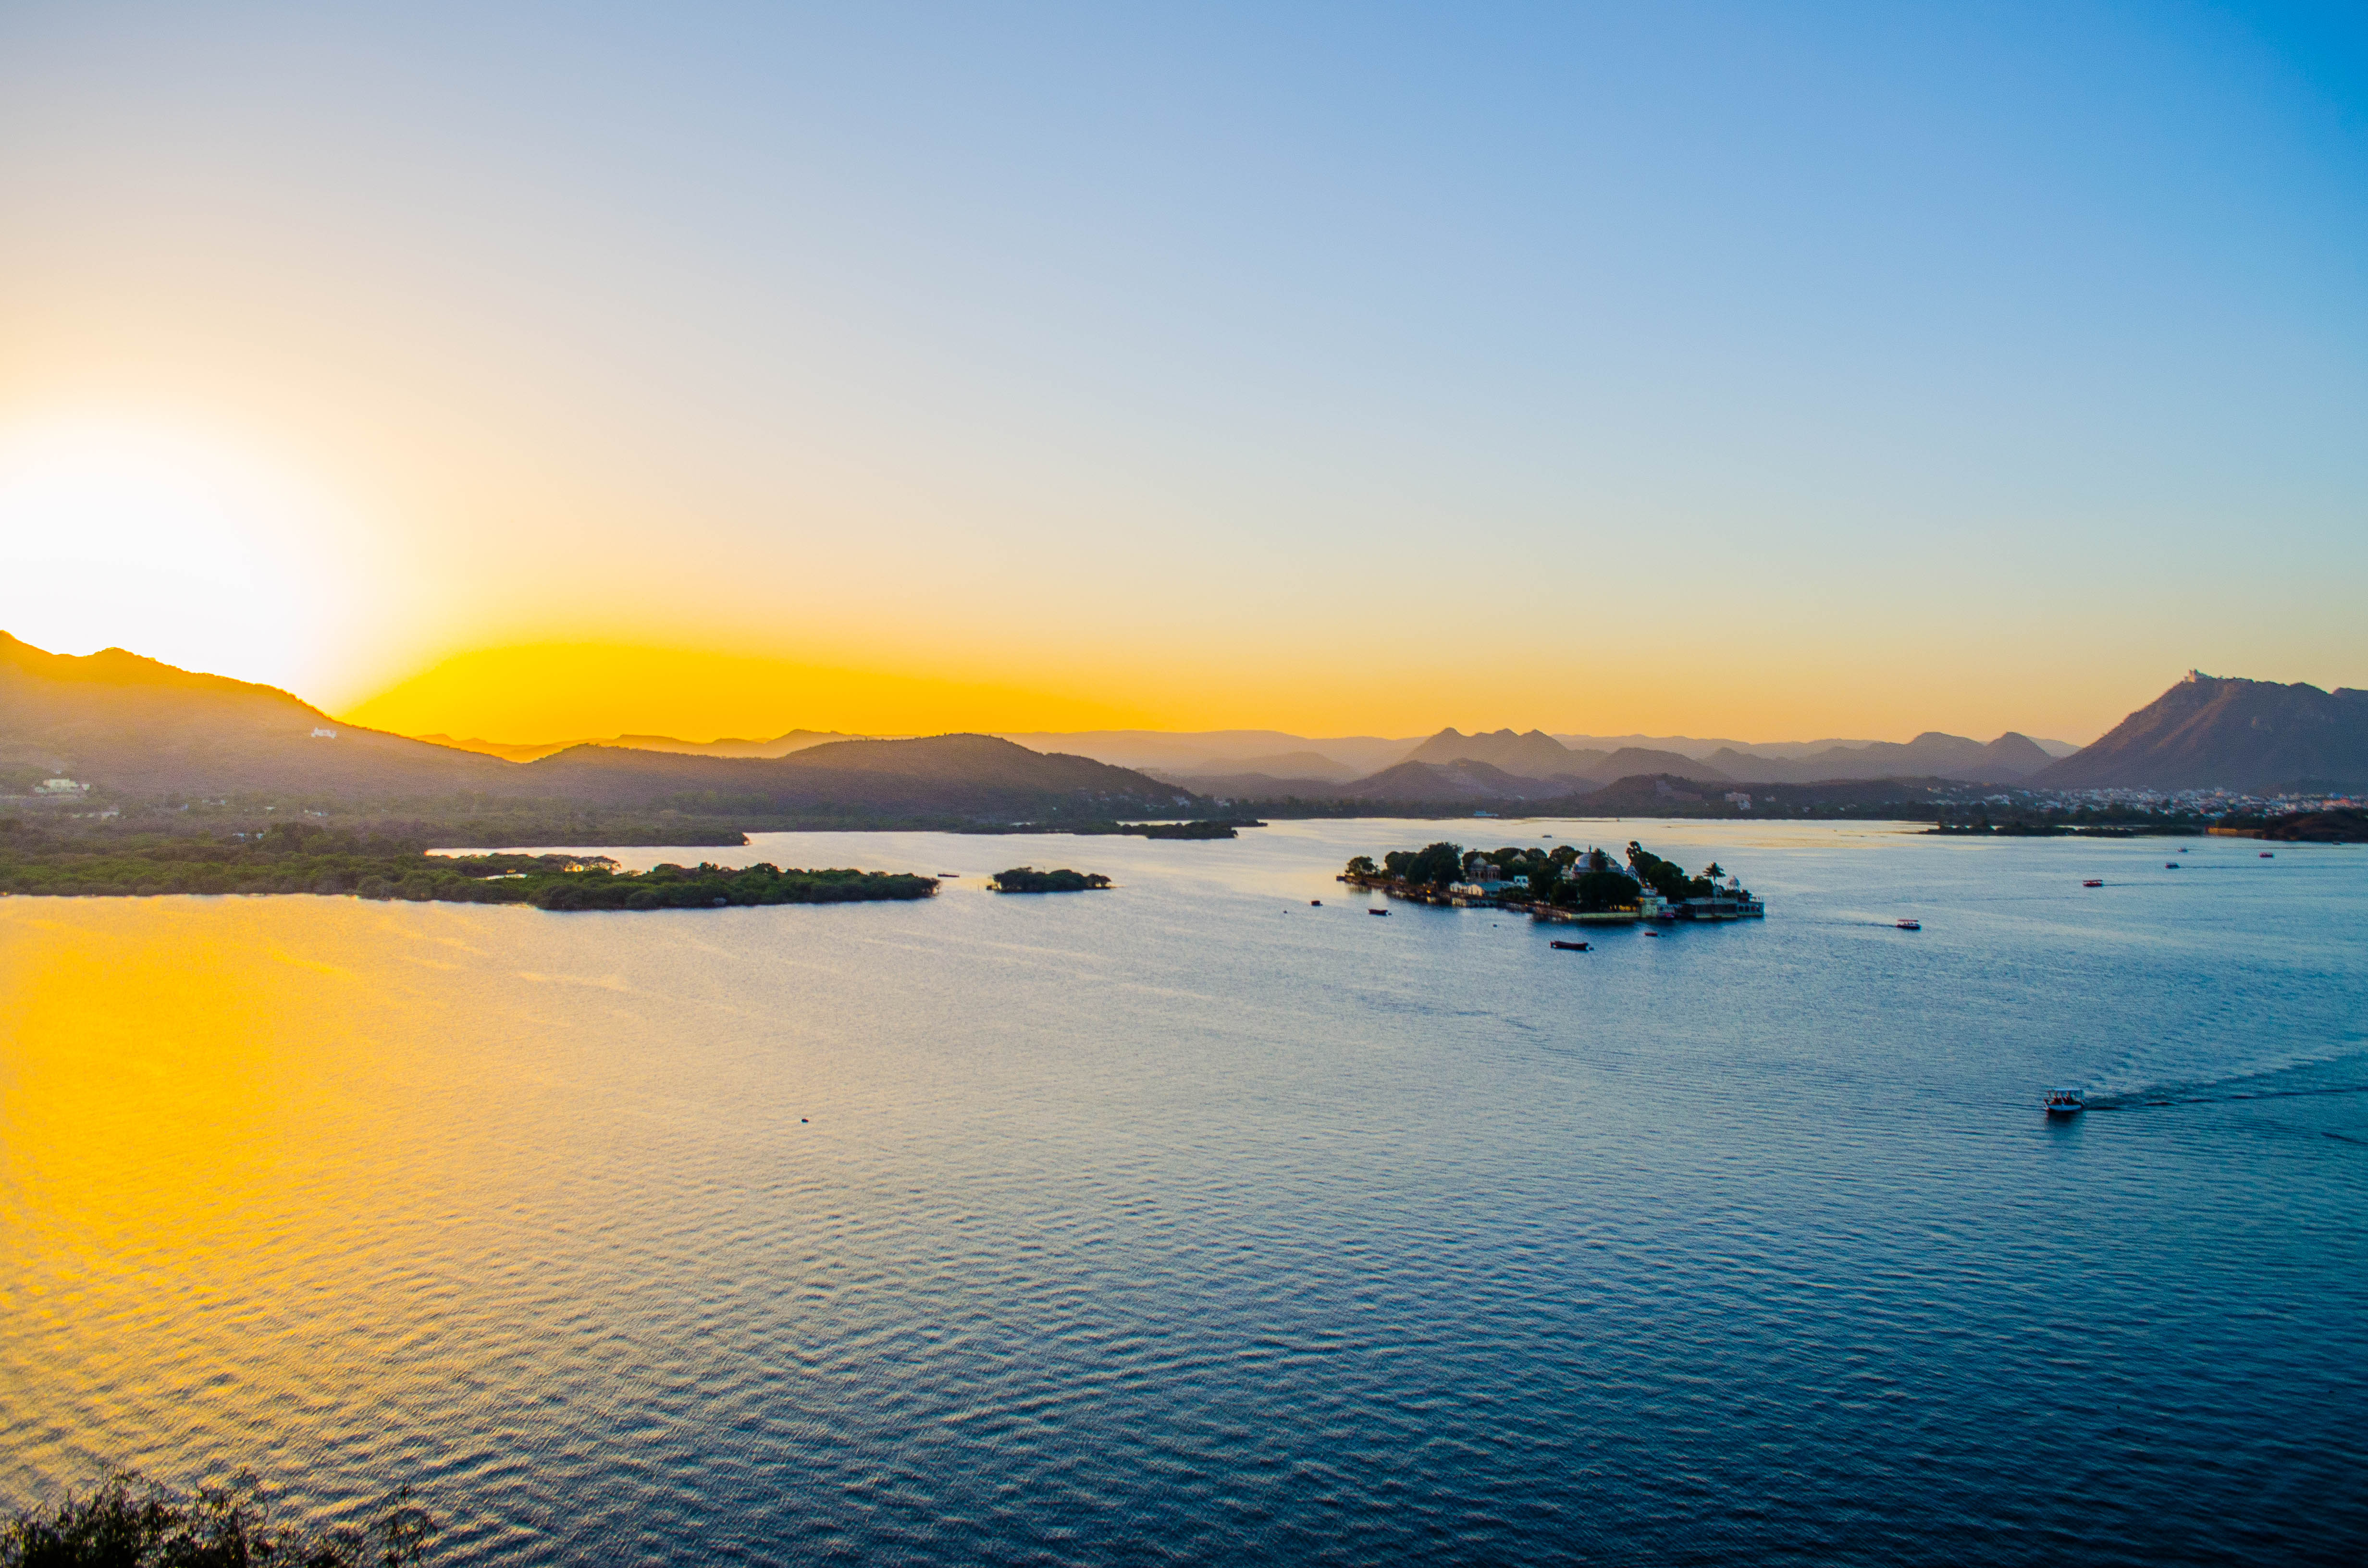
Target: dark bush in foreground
{"x": 131, "y": 1523}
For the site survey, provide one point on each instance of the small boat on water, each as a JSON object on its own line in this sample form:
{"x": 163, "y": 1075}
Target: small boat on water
{"x": 1909, "y": 924}
{"x": 2170, "y": 865}
{"x": 2094, "y": 882}
{"x": 1377, "y": 912}
{"x": 2066, "y": 1102}
{"x": 1315, "y": 903}
{"x": 2269, "y": 855}
{"x": 1569, "y": 947}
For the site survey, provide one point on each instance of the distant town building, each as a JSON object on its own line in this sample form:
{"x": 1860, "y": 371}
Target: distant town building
{"x": 59, "y": 786}
{"x": 1739, "y": 799}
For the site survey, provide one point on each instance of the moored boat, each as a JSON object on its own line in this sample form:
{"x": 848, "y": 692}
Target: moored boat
{"x": 1569, "y": 947}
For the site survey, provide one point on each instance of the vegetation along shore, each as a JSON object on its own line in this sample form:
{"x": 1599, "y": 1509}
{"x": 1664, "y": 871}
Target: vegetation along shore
{"x": 294, "y": 857}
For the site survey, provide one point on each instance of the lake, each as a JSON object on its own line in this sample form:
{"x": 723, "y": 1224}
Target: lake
{"x": 1187, "y": 1222}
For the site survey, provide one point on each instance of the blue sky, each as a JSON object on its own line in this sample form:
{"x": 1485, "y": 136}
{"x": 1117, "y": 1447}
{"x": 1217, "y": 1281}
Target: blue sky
{"x": 1968, "y": 367}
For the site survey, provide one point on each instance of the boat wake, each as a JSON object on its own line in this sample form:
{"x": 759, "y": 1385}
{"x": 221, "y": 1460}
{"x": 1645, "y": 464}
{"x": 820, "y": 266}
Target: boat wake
{"x": 2283, "y": 1081}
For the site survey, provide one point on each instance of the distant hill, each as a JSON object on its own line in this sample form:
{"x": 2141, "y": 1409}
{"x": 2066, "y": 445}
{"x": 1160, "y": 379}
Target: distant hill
{"x": 2211, "y": 732}
{"x": 2010, "y": 759}
{"x": 1454, "y": 781}
{"x": 138, "y": 729}
{"x": 1294, "y": 765}
{"x": 133, "y": 724}
{"x": 1532, "y": 756}
{"x": 1665, "y": 794}
{"x": 1256, "y": 785}
{"x": 1629, "y": 761}
{"x": 963, "y": 774}
{"x": 1215, "y": 751}
{"x": 532, "y": 751}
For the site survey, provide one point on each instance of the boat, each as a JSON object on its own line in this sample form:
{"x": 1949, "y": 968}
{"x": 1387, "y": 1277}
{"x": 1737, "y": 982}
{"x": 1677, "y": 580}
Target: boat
{"x": 2170, "y": 865}
{"x": 1569, "y": 947}
{"x": 1377, "y": 912}
{"x": 2094, "y": 882}
{"x": 1315, "y": 903}
{"x": 2269, "y": 855}
{"x": 2066, "y": 1102}
{"x": 1909, "y": 924}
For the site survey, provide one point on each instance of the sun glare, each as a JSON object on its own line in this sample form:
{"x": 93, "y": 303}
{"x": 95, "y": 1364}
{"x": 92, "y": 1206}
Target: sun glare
{"x": 186, "y": 550}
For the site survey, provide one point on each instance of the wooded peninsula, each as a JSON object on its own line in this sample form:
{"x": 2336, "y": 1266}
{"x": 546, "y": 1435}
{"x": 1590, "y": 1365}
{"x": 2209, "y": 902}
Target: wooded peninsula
{"x": 296, "y": 857}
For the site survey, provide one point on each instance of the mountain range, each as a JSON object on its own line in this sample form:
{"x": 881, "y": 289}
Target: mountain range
{"x": 139, "y": 728}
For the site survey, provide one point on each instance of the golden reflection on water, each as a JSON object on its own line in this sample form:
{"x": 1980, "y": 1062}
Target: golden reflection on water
{"x": 196, "y": 1158}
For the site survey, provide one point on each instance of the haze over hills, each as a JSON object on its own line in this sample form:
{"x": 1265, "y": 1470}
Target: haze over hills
{"x": 2210, "y": 731}
{"x": 1221, "y": 751}
{"x": 136, "y": 728}
{"x": 2006, "y": 760}
{"x": 1201, "y": 762}
{"x": 531, "y": 751}
{"x": 147, "y": 728}
{"x": 141, "y": 728}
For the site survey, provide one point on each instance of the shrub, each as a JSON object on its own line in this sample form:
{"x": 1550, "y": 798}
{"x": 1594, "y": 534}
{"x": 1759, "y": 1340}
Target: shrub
{"x": 131, "y": 1523}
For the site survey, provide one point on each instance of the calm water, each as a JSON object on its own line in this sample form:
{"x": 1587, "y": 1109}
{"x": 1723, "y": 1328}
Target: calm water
{"x": 1187, "y": 1222}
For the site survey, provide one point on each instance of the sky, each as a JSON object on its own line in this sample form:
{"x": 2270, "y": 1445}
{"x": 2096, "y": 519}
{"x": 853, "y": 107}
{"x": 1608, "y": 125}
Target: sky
{"x": 1756, "y": 370}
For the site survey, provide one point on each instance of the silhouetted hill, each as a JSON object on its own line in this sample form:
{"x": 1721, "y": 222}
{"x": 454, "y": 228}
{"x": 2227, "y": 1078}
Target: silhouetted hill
{"x": 1278, "y": 765}
{"x": 1630, "y": 761}
{"x": 123, "y": 723}
{"x": 1257, "y": 786}
{"x": 1461, "y": 780}
{"x": 1675, "y": 795}
{"x": 1534, "y": 755}
{"x": 2010, "y": 759}
{"x": 141, "y": 730}
{"x": 534, "y": 751}
{"x": 2210, "y": 733}
{"x": 963, "y": 774}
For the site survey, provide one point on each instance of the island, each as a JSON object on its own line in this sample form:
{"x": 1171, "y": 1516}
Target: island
{"x": 294, "y": 857}
{"x": 1027, "y": 878}
{"x": 1214, "y": 828}
{"x": 1566, "y": 884}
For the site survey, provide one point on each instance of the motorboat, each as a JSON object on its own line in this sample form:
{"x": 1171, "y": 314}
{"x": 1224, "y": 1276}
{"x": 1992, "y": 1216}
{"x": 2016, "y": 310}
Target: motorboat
{"x": 1909, "y": 924}
{"x": 2170, "y": 865}
{"x": 2094, "y": 882}
{"x": 1377, "y": 912}
{"x": 1315, "y": 903}
{"x": 1569, "y": 947}
{"x": 2066, "y": 1102}
{"x": 2269, "y": 855}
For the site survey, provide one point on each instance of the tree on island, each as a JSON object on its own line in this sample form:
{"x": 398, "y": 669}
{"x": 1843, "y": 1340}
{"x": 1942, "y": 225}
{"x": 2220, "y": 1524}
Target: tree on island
{"x": 1027, "y": 878}
{"x": 1666, "y": 877}
{"x": 1436, "y": 865}
{"x": 1362, "y": 865}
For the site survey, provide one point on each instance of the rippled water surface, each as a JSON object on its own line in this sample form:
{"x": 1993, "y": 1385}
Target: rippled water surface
{"x": 1187, "y": 1220}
